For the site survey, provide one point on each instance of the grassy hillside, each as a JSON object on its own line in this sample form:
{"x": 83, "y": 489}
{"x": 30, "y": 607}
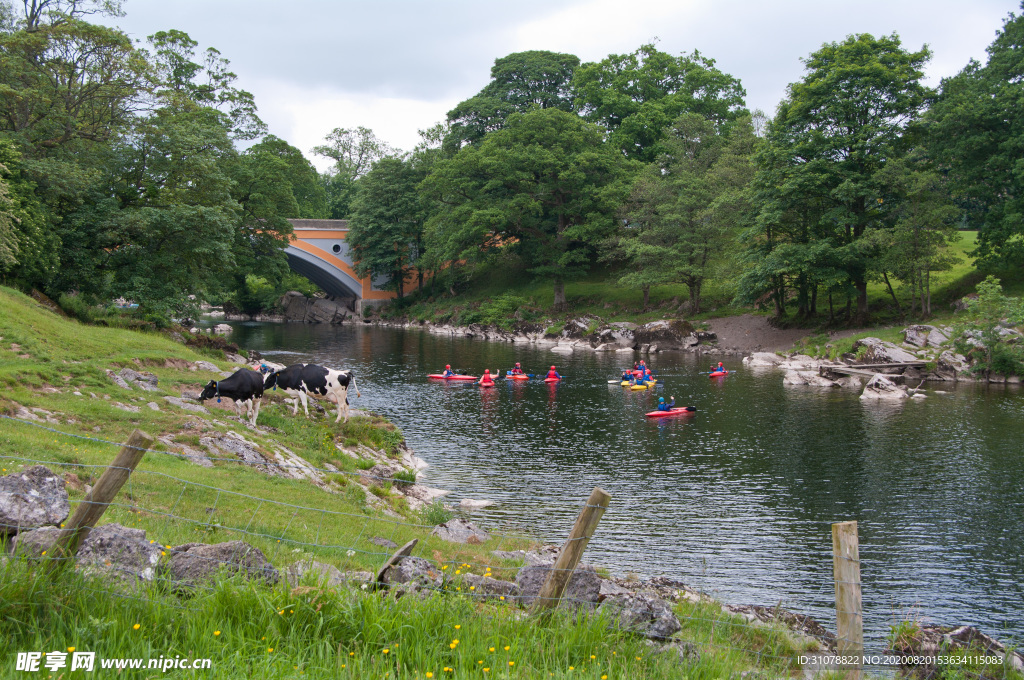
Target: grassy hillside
{"x": 254, "y": 631}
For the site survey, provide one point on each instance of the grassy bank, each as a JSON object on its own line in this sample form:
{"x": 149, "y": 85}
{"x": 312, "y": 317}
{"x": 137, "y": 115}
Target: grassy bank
{"x": 64, "y": 411}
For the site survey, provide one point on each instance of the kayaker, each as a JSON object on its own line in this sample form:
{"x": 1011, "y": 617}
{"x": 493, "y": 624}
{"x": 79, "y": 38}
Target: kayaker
{"x": 486, "y": 380}
{"x": 627, "y": 374}
{"x": 448, "y": 372}
{"x": 518, "y": 370}
{"x": 553, "y": 373}
{"x": 638, "y": 380}
{"x": 666, "y": 406}
{"x": 721, "y": 367}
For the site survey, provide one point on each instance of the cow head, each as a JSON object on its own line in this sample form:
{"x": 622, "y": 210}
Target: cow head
{"x": 210, "y": 391}
{"x": 270, "y": 380}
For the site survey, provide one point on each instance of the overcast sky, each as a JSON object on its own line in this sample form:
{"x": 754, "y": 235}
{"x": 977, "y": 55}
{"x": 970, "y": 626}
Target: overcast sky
{"x": 398, "y": 66}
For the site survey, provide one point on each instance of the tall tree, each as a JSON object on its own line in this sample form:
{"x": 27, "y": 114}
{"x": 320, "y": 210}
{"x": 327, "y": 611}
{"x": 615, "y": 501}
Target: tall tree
{"x": 637, "y": 96}
{"x": 976, "y": 132}
{"x": 545, "y": 185}
{"x": 302, "y": 178}
{"x": 685, "y": 208}
{"x": 520, "y": 82}
{"x": 830, "y": 140}
{"x": 354, "y": 152}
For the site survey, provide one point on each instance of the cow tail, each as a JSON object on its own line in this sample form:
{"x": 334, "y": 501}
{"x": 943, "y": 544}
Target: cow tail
{"x": 353, "y": 378}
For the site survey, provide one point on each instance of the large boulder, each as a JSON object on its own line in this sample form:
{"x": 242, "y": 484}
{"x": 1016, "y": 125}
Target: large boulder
{"x": 488, "y": 588}
{"x": 878, "y": 351}
{"x": 952, "y": 366}
{"x": 643, "y": 614}
{"x": 297, "y": 307}
{"x": 459, "y": 530}
{"x": 614, "y": 337}
{"x": 881, "y": 388}
{"x": 119, "y": 551}
{"x": 762, "y": 360}
{"x": 924, "y": 336}
{"x": 32, "y": 498}
{"x": 416, "y": 572}
{"x": 321, "y": 573}
{"x": 676, "y": 334}
{"x": 194, "y": 563}
{"x": 584, "y": 586}
{"x": 807, "y": 378}
{"x": 33, "y": 543}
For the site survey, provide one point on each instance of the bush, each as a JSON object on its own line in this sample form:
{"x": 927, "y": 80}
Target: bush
{"x": 435, "y": 514}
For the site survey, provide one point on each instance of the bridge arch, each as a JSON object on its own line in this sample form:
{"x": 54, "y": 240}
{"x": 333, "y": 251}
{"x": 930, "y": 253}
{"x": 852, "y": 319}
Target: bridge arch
{"x": 319, "y": 251}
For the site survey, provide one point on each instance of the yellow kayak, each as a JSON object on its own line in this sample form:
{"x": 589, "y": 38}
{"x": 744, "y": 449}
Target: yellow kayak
{"x": 624, "y": 383}
{"x": 638, "y": 387}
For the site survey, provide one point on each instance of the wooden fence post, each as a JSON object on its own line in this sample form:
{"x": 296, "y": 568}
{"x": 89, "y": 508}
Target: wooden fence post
{"x": 849, "y": 613}
{"x": 551, "y": 592}
{"x": 89, "y": 511}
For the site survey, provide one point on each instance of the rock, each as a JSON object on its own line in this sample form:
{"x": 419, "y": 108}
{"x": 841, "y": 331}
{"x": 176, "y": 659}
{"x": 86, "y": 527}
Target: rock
{"x": 668, "y": 335}
{"x": 118, "y": 380}
{"x": 193, "y": 563}
{"x": 762, "y": 360}
{"x": 144, "y": 379}
{"x": 153, "y": 406}
{"x": 613, "y": 337}
{"x": 298, "y": 307}
{"x": 880, "y": 387}
{"x": 207, "y": 366}
{"x": 383, "y": 542}
{"x": 643, "y": 614}
{"x": 609, "y": 588}
{"x": 929, "y": 640}
{"x": 180, "y": 403}
{"x": 850, "y": 382}
{"x": 924, "y": 336}
{"x": 246, "y": 452}
{"x": 963, "y": 303}
{"x": 807, "y": 378}
{"x": 415, "y": 571}
{"x": 126, "y": 407}
{"x": 32, "y": 498}
{"x": 952, "y": 366}
{"x": 460, "y": 531}
{"x": 119, "y": 551}
{"x": 683, "y": 653}
{"x": 470, "y": 504}
{"x": 322, "y": 574}
{"x": 488, "y": 588}
{"x": 584, "y": 587}
{"x": 222, "y": 329}
{"x": 33, "y": 543}
{"x": 236, "y": 358}
{"x": 881, "y": 352}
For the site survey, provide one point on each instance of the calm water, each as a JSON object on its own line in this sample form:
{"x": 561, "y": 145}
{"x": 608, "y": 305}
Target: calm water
{"x": 738, "y": 500}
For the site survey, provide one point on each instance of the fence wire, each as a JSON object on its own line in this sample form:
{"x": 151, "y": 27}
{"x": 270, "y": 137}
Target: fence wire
{"x": 266, "y": 533}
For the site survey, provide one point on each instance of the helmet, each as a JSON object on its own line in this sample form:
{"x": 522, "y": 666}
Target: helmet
{"x": 487, "y": 371}
{"x": 517, "y": 364}
{"x": 448, "y": 366}
{"x": 719, "y": 363}
{"x": 552, "y": 368}
{"x": 661, "y": 400}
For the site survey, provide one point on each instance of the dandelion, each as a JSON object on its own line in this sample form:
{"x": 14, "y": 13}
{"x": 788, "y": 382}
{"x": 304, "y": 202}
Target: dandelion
{"x": 502, "y": 597}
{"x": 269, "y": 650}
{"x": 638, "y": 658}
{"x": 152, "y": 542}
{"x": 604, "y": 677}
{"x": 137, "y": 626}
{"x": 458, "y": 571}
{"x": 281, "y": 613}
{"x": 506, "y": 648}
{"x": 291, "y": 611}
{"x": 168, "y": 547}
{"x": 44, "y": 552}
{"x": 388, "y": 651}
{"x": 487, "y": 670}
{"x": 429, "y": 674}
{"x": 444, "y": 567}
{"x": 216, "y": 633}
{"x": 163, "y": 553}
{"x": 472, "y": 587}
{"x": 457, "y": 626}
{"x": 351, "y": 653}
{"x": 511, "y": 663}
{"x": 71, "y": 649}
{"x": 491, "y": 649}
{"x": 572, "y": 667}
{"x": 592, "y": 657}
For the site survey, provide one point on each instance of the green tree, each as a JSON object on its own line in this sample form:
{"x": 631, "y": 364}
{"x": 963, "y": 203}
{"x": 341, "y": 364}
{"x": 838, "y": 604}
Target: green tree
{"x": 545, "y": 185}
{"x": 637, "y": 96}
{"x": 354, "y": 152}
{"x": 685, "y": 207}
{"x": 822, "y": 189}
{"x": 302, "y": 178}
{"x": 520, "y": 82}
{"x": 976, "y": 133}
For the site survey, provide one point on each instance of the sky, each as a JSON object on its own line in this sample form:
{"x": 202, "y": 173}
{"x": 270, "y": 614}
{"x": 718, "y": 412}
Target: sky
{"x": 398, "y": 66}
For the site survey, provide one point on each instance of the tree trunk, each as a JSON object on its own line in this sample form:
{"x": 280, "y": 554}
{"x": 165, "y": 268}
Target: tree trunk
{"x": 560, "y": 304}
{"x": 419, "y": 273}
{"x": 814, "y": 300}
{"x": 892, "y": 293}
{"x": 779, "y": 297}
{"x": 928, "y": 290}
{"x": 862, "y": 302}
{"x": 694, "y": 298}
{"x": 647, "y": 296}
{"x": 849, "y": 307}
{"x": 831, "y": 311}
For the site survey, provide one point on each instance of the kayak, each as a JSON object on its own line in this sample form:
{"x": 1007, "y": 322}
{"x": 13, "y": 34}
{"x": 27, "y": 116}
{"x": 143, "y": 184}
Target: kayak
{"x": 624, "y": 383}
{"x": 718, "y": 374}
{"x": 487, "y": 384}
{"x": 551, "y": 380}
{"x": 638, "y": 387}
{"x": 438, "y": 376}
{"x": 517, "y": 377}
{"x": 678, "y": 411}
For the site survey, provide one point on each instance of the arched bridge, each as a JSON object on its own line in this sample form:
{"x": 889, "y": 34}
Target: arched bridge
{"x": 319, "y": 252}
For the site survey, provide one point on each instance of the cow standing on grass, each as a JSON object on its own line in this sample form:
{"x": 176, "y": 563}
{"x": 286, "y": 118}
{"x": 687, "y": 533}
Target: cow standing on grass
{"x": 244, "y": 387}
{"x": 300, "y": 380}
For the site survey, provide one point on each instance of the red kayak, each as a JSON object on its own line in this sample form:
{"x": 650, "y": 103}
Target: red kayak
{"x": 551, "y": 380}
{"x": 438, "y": 376}
{"x": 718, "y": 374}
{"x": 678, "y": 411}
{"x": 487, "y": 384}
{"x": 518, "y": 376}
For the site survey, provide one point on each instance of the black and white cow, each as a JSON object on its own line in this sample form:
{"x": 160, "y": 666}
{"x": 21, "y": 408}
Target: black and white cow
{"x": 300, "y": 380}
{"x": 244, "y": 387}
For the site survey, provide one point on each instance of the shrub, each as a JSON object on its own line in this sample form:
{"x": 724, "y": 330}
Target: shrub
{"x": 435, "y": 513}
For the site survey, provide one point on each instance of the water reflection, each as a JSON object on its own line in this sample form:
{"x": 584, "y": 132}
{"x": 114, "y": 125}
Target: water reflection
{"x": 737, "y": 499}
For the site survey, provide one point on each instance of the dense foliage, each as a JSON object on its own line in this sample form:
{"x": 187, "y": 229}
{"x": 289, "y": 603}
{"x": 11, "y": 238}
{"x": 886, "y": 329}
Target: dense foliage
{"x": 121, "y": 175}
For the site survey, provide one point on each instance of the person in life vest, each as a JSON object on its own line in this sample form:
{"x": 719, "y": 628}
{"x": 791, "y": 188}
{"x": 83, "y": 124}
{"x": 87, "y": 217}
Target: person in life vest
{"x": 486, "y": 379}
{"x": 638, "y": 380}
{"x": 720, "y": 367}
{"x": 666, "y": 405}
{"x": 647, "y": 374}
{"x": 518, "y": 370}
{"x": 448, "y": 371}
{"x": 553, "y": 373}
{"x": 627, "y": 374}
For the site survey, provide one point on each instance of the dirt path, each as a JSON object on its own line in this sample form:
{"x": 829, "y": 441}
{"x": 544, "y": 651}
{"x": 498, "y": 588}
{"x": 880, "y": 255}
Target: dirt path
{"x": 750, "y": 333}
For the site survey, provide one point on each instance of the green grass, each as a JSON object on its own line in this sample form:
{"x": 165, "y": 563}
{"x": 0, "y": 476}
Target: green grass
{"x": 311, "y": 632}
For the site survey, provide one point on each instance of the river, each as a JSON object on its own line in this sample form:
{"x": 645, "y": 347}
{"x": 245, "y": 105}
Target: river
{"x": 737, "y": 500}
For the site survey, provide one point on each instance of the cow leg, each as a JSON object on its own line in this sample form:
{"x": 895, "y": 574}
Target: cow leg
{"x": 342, "y": 398}
{"x": 256, "y": 411}
{"x": 305, "y": 402}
